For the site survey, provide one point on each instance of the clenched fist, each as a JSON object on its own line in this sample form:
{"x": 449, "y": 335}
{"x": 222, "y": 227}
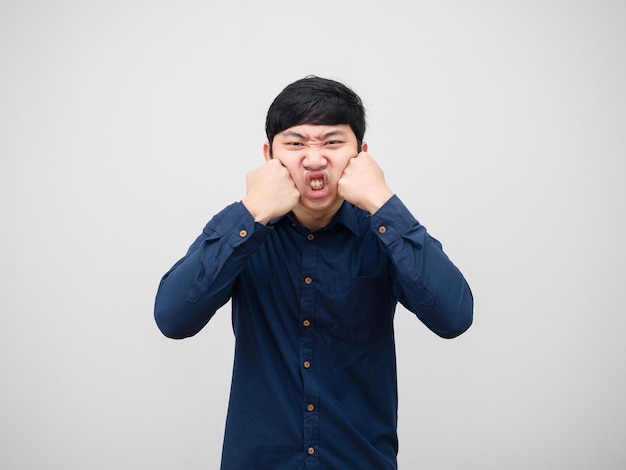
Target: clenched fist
{"x": 363, "y": 183}
{"x": 270, "y": 192}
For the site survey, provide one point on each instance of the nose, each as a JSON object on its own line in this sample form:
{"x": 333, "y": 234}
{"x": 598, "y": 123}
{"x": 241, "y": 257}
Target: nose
{"x": 314, "y": 158}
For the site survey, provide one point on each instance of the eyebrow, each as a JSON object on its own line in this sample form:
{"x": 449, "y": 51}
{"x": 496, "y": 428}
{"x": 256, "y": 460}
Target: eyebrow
{"x": 297, "y": 135}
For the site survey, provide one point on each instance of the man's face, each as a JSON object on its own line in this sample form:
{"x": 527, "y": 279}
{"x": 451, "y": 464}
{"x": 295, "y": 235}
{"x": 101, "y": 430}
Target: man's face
{"x": 316, "y": 156}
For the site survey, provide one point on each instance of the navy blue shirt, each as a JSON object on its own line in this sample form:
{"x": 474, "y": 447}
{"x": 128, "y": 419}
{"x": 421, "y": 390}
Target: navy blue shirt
{"x": 314, "y": 378}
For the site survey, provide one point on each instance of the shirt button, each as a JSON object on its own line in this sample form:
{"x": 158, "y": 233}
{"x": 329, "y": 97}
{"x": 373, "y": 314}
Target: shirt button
{"x": 310, "y": 236}
{"x": 310, "y": 407}
{"x": 382, "y": 229}
{"x": 306, "y": 323}
{"x": 308, "y": 280}
{"x": 311, "y": 450}
{"x": 243, "y": 233}
{"x": 306, "y": 364}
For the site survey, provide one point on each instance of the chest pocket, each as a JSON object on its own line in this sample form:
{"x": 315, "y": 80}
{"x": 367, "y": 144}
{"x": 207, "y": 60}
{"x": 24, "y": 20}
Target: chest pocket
{"x": 361, "y": 308}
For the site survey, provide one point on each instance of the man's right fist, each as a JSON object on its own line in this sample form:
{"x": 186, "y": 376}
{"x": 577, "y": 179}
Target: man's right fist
{"x": 270, "y": 192}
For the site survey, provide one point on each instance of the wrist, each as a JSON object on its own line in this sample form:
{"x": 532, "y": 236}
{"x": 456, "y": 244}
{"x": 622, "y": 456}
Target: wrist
{"x": 257, "y": 214}
{"x": 378, "y": 200}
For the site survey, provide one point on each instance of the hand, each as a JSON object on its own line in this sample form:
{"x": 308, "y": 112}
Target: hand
{"x": 270, "y": 192}
{"x": 363, "y": 183}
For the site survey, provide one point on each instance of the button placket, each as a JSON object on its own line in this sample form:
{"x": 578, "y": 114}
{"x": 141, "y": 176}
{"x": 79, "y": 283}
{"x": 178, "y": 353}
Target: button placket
{"x": 306, "y": 338}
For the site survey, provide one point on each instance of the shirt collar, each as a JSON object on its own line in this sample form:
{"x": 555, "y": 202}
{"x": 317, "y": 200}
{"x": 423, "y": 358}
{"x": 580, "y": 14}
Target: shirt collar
{"x": 345, "y": 216}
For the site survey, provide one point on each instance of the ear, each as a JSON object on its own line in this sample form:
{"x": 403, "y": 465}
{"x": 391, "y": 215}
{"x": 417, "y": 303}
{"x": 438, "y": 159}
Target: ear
{"x": 363, "y": 146}
{"x": 266, "y": 151}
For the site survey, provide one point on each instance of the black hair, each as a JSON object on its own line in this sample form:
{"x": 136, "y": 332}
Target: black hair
{"x": 318, "y": 101}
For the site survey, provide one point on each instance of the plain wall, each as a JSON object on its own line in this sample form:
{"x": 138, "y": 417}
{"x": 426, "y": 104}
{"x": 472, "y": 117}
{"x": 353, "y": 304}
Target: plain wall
{"x": 125, "y": 125}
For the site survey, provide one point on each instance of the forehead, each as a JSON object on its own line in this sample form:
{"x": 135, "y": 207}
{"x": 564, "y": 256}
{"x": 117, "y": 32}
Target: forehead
{"x": 317, "y": 131}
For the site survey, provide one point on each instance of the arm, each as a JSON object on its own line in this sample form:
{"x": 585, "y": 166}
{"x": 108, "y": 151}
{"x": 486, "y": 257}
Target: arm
{"x": 425, "y": 280}
{"x": 202, "y": 281}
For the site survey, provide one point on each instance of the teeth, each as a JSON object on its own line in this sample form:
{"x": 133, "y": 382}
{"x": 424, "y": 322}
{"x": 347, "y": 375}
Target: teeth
{"x": 317, "y": 184}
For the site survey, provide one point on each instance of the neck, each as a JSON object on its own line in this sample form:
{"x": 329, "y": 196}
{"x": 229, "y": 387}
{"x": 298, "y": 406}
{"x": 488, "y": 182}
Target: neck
{"x": 315, "y": 219}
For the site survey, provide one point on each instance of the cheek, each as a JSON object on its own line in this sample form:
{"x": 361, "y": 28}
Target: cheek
{"x": 294, "y": 171}
{"x": 342, "y": 162}
{"x": 288, "y": 160}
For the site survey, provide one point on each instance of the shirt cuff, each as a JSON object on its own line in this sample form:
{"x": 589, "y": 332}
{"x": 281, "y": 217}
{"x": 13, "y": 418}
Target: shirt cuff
{"x": 393, "y": 220}
{"x": 240, "y": 229}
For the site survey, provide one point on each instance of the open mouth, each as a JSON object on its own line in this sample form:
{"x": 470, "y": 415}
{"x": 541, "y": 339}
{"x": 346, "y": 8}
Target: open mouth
{"x": 317, "y": 184}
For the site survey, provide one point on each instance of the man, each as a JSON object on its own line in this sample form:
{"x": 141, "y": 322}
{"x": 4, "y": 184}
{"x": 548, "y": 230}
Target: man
{"x": 315, "y": 258}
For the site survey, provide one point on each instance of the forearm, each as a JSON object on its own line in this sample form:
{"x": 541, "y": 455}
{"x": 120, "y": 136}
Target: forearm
{"x": 449, "y": 309}
{"x": 426, "y": 281}
{"x": 200, "y": 283}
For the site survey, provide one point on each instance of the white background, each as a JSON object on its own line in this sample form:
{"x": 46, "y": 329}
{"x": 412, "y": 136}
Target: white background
{"x": 125, "y": 125}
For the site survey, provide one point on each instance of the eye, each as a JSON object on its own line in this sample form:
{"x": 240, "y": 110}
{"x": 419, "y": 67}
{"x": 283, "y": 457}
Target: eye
{"x": 294, "y": 144}
{"x": 333, "y": 143}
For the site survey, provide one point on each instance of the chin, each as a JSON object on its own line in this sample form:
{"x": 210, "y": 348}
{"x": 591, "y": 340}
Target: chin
{"x": 322, "y": 204}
